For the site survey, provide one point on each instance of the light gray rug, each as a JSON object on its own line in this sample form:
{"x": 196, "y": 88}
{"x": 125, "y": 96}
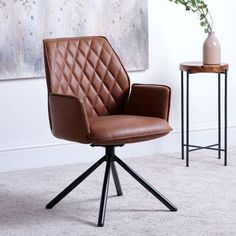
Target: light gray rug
{"x": 205, "y": 194}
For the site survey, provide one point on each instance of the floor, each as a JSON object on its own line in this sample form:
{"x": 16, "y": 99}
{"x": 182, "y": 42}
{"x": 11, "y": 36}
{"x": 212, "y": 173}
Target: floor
{"x": 205, "y": 194}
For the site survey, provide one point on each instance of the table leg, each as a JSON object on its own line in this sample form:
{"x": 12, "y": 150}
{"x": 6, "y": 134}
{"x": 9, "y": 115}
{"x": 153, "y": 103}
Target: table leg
{"x": 219, "y": 116}
{"x": 187, "y": 120}
{"x": 225, "y": 118}
{"x": 182, "y": 114}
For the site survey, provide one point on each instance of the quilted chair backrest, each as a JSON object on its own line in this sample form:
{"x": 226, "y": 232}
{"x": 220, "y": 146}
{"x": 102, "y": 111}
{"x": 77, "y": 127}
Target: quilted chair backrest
{"x": 87, "y": 67}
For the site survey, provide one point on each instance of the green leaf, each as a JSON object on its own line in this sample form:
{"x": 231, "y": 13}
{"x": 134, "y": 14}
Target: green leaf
{"x": 201, "y": 9}
{"x": 202, "y": 16}
{"x": 202, "y": 23}
{"x": 193, "y": 3}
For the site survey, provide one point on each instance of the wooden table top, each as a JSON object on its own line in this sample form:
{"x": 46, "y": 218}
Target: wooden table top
{"x": 199, "y": 67}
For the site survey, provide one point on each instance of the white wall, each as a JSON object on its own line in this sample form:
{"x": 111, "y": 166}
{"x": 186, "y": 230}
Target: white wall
{"x": 174, "y": 36}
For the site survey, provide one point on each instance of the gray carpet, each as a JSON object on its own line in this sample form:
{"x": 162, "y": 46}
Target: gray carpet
{"x": 205, "y": 194}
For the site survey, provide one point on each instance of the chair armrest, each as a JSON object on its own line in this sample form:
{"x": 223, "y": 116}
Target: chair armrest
{"x": 68, "y": 118}
{"x": 149, "y": 100}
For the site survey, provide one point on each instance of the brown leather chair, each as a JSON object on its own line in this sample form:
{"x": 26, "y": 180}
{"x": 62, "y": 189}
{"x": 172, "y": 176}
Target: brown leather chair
{"x": 90, "y": 102}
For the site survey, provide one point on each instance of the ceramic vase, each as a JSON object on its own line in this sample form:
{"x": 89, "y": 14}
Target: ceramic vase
{"x": 211, "y": 50}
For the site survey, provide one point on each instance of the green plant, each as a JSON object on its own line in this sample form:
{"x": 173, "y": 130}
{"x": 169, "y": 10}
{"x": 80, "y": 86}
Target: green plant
{"x": 201, "y": 8}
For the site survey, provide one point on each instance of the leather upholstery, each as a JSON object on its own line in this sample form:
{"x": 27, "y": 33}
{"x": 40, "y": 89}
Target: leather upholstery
{"x": 155, "y": 104}
{"x": 88, "y": 68}
{"x": 119, "y": 129}
{"x": 88, "y": 95}
{"x": 68, "y": 118}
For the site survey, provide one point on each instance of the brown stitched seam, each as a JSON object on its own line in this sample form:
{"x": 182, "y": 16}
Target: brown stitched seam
{"x": 137, "y": 136}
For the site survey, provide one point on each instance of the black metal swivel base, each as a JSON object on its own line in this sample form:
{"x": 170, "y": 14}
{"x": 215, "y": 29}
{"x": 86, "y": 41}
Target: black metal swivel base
{"x": 110, "y": 159}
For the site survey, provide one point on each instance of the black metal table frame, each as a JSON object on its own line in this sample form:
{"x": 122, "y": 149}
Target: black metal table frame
{"x": 185, "y": 145}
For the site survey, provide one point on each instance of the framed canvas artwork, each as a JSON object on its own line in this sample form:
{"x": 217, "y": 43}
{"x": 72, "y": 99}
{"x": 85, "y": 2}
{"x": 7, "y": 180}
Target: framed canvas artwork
{"x": 25, "y": 23}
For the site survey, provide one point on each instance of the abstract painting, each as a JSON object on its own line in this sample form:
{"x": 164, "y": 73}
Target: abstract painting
{"x": 25, "y": 23}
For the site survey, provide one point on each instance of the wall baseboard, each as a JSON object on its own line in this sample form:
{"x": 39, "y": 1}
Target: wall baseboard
{"x": 59, "y": 152}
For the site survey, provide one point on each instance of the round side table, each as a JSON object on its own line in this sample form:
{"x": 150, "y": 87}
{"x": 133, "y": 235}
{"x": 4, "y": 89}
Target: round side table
{"x": 193, "y": 68}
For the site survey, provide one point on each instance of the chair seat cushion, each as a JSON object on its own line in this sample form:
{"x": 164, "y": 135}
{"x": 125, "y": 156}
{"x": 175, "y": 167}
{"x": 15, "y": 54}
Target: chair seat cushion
{"x": 121, "y": 129}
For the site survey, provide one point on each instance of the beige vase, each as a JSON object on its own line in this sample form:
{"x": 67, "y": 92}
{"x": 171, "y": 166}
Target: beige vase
{"x": 211, "y": 50}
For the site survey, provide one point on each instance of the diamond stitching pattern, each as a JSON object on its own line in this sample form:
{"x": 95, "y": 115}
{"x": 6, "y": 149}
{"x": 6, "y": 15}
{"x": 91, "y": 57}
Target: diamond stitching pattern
{"x": 88, "y": 67}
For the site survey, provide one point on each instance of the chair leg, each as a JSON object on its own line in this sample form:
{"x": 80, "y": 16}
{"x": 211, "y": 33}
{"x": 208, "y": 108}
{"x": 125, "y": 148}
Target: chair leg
{"x": 103, "y": 202}
{"x": 116, "y": 179}
{"x": 110, "y": 158}
{"x": 75, "y": 183}
{"x": 146, "y": 185}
